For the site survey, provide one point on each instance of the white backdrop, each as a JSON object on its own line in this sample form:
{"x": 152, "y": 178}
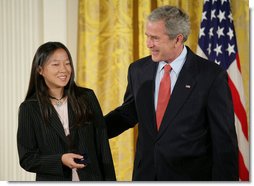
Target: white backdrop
{"x": 26, "y": 24}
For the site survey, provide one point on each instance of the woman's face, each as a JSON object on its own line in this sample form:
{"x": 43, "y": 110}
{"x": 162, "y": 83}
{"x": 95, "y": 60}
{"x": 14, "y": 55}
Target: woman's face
{"x": 57, "y": 70}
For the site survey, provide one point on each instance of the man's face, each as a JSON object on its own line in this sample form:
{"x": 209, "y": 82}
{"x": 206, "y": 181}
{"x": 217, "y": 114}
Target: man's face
{"x": 162, "y": 48}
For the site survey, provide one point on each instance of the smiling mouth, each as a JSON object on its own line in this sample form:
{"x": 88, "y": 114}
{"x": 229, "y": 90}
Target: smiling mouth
{"x": 154, "y": 52}
{"x": 62, "y": 77}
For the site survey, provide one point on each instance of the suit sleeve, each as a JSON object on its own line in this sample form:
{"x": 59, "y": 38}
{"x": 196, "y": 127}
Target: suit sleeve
{"x": 125, "y": 116}
{"x": 102, "y": 143}
{"x": 28, "y": 146}
{"x": 223, "y": 133}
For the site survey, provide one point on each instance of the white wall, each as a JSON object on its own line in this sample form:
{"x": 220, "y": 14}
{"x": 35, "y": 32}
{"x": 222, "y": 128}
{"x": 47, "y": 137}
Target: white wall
{"x": 26, "y": 24}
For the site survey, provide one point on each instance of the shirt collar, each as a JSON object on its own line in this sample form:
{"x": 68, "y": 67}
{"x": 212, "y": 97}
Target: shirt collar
{"x": 177, "y": 64}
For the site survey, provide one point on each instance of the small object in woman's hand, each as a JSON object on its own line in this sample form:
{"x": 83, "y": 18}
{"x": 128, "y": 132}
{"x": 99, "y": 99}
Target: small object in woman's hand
{"x": 84, "y": 160}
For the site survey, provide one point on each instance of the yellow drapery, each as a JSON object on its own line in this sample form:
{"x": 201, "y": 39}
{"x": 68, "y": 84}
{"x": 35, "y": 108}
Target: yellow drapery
{"x": 111, "y": 36}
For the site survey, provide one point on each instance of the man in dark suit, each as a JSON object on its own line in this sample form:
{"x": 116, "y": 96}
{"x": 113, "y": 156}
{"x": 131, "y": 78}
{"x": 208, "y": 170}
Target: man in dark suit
{"x": 195, "y": 139}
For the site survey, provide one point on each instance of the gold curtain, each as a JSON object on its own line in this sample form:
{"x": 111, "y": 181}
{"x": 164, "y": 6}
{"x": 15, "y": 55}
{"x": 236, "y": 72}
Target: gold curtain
{"x": 111, "y": 36}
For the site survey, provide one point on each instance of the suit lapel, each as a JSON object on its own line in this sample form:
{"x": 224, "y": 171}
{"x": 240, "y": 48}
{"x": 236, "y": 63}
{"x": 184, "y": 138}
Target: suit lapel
{"x": 57, "y": 125}
{"x": 183, "y": 88}
{"x": 72, "y": 128}
{"x": 152, "y": 106}
{"x": 146, "y": 95}
{"x": 71, "y": 117}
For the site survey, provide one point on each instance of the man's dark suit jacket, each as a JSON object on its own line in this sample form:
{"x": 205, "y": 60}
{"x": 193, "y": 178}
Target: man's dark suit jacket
{"x": 197, "y": 138}
{"x": 41, "y": 146}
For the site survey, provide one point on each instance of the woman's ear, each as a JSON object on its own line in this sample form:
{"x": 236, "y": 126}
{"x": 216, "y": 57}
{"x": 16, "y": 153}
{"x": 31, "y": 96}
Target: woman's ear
{"x": 40, "y": 70}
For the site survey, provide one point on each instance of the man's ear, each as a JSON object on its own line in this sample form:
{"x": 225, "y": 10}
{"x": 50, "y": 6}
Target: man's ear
{"x": 179, "y": 39}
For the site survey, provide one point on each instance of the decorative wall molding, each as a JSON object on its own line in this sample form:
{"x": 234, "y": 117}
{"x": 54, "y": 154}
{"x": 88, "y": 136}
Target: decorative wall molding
{"x": 25, "y": 24}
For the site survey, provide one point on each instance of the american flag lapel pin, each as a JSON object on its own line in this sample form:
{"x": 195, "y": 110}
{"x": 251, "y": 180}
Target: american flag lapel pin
{"x": 187, "y": 86}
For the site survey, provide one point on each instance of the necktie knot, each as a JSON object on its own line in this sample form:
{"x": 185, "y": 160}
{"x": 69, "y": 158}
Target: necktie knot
{"x": 167, "y": 68}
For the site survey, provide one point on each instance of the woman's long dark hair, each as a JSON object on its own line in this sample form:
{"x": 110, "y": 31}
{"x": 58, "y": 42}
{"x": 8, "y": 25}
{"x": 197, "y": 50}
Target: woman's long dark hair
{"x": 38, "y": 87}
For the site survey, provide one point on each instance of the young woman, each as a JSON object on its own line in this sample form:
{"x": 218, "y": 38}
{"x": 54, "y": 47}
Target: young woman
{"x": 61, "y": 131}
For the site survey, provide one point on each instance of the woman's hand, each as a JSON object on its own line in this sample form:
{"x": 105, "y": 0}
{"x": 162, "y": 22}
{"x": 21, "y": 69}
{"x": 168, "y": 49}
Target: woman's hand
{"x": 68, "y": 160}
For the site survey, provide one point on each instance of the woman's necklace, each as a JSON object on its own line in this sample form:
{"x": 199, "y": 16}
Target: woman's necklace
{"x": 58, "y": 101}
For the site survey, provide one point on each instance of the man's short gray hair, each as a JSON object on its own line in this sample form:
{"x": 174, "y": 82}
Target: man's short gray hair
{"x": 176, "y": 21}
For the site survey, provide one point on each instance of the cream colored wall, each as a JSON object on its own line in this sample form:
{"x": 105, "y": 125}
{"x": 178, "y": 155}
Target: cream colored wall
{"x": 72, "y": 28}
{"x": 26, "y": 24}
